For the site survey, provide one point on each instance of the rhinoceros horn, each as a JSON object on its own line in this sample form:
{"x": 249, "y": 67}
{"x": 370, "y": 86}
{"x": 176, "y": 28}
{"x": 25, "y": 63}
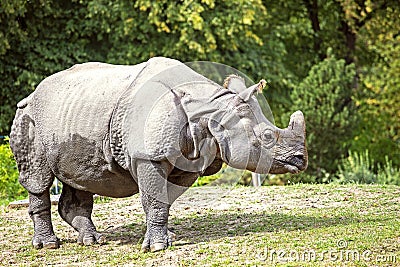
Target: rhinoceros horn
{"x": 294, "y": 136}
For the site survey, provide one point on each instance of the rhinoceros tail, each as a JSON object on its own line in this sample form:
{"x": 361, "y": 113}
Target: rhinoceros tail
{"x": 24, "y": 102}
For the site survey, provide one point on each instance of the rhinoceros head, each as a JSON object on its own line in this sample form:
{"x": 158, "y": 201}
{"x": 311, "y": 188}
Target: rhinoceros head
{"x": 247, "y": 140}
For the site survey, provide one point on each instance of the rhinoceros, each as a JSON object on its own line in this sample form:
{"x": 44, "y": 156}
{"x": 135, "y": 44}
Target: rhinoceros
{"x": 153, "y": 128}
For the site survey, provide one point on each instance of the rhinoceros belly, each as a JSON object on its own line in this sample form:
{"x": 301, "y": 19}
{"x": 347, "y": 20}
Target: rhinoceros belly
{"x": 82, "y": 164}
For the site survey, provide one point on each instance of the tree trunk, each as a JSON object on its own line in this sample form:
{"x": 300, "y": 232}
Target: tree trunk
{"x": 312, "y": 10}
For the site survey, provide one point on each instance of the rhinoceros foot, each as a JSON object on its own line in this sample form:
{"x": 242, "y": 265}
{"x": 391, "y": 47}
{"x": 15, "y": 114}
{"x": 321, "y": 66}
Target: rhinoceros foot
{"x": 157, "y": 246}
{"x": 90, "y": 238}
{"x": 48, "y": 242}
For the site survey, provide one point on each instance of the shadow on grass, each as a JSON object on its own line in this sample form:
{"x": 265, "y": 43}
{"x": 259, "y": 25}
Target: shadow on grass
{"x": 217, "y": 224}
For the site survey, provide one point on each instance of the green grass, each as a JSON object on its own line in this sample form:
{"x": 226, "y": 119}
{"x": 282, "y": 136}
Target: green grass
{"x": 351, "y": 225}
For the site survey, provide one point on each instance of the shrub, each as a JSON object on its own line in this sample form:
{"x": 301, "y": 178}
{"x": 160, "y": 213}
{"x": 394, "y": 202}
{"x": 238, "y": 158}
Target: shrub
{"x": 357, "y": 168}
{"x": 226, "y": 176}
{"x": 10, "y": 189}
{"x": 388, "y": 173}
{"x": 325, "y": 98}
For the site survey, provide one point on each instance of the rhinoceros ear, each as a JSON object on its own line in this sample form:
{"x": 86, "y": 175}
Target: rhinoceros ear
{"x": 246, "y": 94}
{"x": 234, "y": 83}
{"x": 237, "y": 85}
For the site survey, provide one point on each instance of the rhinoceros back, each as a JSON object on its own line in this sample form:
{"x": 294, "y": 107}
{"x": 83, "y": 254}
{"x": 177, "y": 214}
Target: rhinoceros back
{"x": 80, "y": 100}
{"x": 72, "y": 110}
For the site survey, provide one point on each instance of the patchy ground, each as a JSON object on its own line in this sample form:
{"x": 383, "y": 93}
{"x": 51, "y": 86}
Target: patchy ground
{"x": 307, "y": 225}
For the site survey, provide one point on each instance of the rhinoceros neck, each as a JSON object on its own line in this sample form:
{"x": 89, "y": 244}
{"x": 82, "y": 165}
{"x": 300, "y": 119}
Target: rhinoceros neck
{"x": 152, "y": 103}
{"x": 205, "y": 104}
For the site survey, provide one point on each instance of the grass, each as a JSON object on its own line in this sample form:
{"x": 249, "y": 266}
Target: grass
{"x": 300, "y": 225}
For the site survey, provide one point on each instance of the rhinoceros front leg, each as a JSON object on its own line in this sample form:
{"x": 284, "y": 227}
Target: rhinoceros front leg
{"x": 152, "y": 180}
{"x": 75, "y": 207}
{"x": 40, "y": 213}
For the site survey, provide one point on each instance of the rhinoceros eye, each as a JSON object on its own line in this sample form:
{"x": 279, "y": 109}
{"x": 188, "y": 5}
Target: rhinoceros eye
{"x": 266, "y": 135}
{"x": 268, "y": 138}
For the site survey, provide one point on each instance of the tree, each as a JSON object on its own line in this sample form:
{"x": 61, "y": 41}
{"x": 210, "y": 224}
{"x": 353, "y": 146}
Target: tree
{"x": 37, "y": 42}
{"x": 379, "y": 128}
{"x": 323, "y": 97}
{"x": 363, "y": 33}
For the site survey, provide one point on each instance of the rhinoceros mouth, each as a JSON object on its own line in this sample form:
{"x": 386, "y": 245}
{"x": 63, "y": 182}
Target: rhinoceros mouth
{"x": 298, "y": 161}
{"x": 293, "y": 165}
{"x": 290, "y": 167}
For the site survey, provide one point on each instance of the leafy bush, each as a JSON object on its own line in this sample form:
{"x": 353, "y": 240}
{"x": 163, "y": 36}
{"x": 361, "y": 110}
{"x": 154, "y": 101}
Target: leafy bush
{"x": 388, "y": 173}
{"x": 10, "y": 189}
{"x": 205, "y": 180}
{"x": 226, "y": 176}
{"x": 378, "y": 129}
{"x": 324, "y": 96}
{"x": 359, "y": 168}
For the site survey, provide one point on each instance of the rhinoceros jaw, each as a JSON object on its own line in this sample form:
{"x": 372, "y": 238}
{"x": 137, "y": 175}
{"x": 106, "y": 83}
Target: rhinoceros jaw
{"x": 289, "y": 166}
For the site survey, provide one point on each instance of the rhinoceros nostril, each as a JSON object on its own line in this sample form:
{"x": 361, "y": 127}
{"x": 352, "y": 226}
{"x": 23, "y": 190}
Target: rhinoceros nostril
{"x": 298, "y": 161}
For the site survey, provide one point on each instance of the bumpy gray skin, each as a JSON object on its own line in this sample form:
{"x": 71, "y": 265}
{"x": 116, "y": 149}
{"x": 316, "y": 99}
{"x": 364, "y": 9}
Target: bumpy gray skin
{"x": 152, "y": 128}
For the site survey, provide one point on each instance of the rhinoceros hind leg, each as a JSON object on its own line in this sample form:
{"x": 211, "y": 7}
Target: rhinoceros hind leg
{"x": 36, "y": 176}
{"x": 39, "y": 211}
{"x": 75, "y": 207}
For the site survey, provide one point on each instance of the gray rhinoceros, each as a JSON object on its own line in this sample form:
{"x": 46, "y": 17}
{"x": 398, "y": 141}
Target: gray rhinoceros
{"x": 152, "y": 128}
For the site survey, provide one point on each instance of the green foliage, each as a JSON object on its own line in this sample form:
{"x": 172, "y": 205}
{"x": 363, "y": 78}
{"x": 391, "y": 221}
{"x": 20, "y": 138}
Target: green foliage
{"x": 325, "y": 98}
{"x": 122, "y": 32}
{"x": 359, "y": 168}
{"x": 205, "y": 180}
{"x": 226, "y": 176}
{"x": 388, "y": 173}
{"x": 10, "y": 189}
{"x": 379, "y": 127}
{"x": 38, "y": 42}
{"x": 289, "y": 49}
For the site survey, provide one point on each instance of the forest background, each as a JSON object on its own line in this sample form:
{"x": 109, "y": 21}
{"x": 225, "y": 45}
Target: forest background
{"x": 336, "y": 60}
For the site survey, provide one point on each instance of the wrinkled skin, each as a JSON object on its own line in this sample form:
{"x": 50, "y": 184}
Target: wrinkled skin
{"x": 152, "y": 128}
